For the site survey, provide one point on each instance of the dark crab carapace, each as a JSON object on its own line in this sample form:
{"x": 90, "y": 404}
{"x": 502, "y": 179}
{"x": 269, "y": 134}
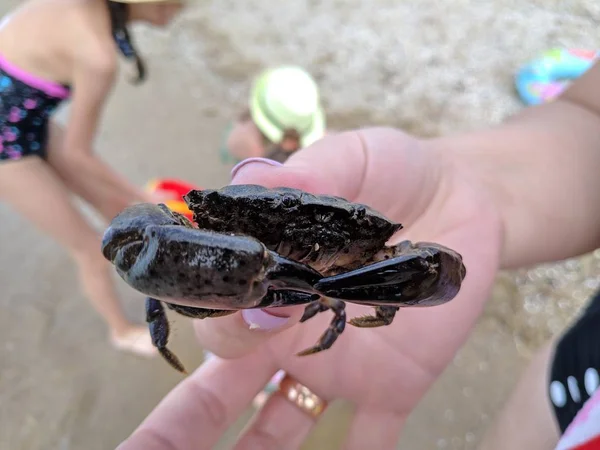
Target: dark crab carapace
{"x": 328, "y": 233}
{"x": 255, "y": 247}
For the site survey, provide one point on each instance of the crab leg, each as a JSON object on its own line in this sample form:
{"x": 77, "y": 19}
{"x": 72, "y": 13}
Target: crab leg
{"x": 312, "y": 310}
{"x": 159, "y": 325}
{"x": 284, "y": 297}
{"x": 384, "y": 315}
{"x": 199, "y": 313}
{"x": 336, "y": 327}
{"x": 159, "y": 331}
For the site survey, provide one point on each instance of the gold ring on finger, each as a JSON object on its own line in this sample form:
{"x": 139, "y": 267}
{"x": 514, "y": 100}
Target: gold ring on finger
{"x": 302, "y": 397}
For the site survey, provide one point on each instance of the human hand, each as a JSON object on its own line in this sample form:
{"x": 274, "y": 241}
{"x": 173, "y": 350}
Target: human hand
{"x": 383, "y": 371}
{"x": 245, "y": 140}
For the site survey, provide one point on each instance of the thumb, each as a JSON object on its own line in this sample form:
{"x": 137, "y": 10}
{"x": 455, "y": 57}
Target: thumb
{"x": 384, "y": 168}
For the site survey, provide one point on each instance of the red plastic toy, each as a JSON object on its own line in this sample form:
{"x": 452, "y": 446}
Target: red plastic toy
{"x": 174, "y": 190}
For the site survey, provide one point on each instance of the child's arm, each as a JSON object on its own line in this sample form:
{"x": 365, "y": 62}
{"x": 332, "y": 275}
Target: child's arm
{"x": 88, "y": 174}
{"x": 245, "y": 140}
{"x": 542, "y": 168}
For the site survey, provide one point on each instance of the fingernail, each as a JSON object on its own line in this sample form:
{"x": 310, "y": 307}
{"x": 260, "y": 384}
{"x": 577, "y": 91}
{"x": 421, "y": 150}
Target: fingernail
{"x": 208, "y": 356}
{"x": 242, "y": 163}
{"x": 259, "y": 319}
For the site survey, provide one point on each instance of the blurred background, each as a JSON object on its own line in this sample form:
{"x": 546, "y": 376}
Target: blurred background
{"x": 426, "y": 66}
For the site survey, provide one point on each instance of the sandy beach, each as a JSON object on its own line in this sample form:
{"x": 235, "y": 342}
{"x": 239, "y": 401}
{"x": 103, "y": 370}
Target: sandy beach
{"x": 428, "y": 67}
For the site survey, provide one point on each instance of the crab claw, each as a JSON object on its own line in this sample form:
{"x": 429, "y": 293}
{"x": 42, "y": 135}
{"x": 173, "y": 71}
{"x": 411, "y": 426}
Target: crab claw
{"x": 128, "y": 227}
{"x": 421, "y": 275}
{"x": 162, "y": 256}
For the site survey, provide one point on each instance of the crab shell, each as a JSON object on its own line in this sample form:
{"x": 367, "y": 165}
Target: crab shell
{"x": 328, "y": 233}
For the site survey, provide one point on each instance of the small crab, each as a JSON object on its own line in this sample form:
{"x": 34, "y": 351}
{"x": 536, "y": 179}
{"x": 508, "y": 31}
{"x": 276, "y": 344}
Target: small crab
{"x": 254, "y": 247}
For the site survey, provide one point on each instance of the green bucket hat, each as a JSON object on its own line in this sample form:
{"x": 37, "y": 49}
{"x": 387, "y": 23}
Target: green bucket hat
{"x": 287, "y": 97}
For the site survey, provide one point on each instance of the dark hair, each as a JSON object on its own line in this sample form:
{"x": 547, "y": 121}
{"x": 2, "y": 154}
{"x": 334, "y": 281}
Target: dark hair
{"x": 119, "y": 13}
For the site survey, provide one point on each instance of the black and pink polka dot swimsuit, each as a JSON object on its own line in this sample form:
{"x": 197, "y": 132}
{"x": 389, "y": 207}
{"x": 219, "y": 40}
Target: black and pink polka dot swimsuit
{"x": 26, "y": 103}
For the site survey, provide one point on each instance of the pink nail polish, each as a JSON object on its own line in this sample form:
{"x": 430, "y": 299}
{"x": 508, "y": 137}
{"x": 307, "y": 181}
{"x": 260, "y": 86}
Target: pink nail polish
{"x": 242, "y": 163}
{"x": 259, "y": 319}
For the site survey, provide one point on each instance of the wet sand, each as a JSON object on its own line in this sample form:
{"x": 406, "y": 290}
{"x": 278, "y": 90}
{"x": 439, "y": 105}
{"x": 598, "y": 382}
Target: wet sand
{"x": 425, "y": 67}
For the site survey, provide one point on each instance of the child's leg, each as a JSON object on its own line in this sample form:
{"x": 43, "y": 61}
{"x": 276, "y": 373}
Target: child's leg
{"x": 35, "y": 191}
{"x": 553, "y": 389}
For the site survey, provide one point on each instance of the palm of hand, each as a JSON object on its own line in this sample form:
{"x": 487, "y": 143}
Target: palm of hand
{"x": 390, "y": 368}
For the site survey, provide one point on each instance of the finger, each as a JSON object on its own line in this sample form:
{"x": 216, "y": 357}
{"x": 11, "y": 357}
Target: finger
{"x": 239, "y": 334}
{"x": 278, "y": 424}
{"x": 383, "y": 167}
{"x": 374, "y": 429}
{"x": 334, "y": 165}
{"x": 203, "y": 406}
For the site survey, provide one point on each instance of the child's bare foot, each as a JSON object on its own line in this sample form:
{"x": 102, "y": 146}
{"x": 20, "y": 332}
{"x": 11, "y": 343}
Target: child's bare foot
{"x": 135, "y": 339}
